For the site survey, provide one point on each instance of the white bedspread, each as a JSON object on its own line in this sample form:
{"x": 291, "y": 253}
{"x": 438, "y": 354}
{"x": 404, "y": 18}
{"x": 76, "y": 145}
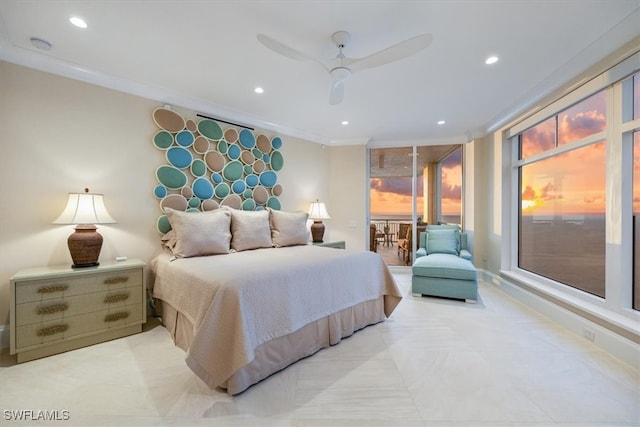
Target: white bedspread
{"x": 240, "y": 300}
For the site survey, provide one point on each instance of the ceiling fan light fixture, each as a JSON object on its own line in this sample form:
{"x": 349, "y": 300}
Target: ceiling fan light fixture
{"x": 340, "y": 73}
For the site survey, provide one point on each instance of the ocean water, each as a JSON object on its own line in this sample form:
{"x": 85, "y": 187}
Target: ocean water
{"x": 569, "y": 249}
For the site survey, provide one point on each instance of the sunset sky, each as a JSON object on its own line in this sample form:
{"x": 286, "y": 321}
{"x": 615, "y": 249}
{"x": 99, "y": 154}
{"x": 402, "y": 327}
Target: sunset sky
{"x": 392, "y": 195}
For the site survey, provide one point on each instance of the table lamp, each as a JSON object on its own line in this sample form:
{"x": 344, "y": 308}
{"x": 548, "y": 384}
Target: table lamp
{"x": 318, "y": 212}
{"x": 85, "y": 209}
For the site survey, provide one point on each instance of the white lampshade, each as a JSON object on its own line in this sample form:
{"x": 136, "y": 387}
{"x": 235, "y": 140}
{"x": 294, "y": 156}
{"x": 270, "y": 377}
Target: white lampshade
{"x": 318, "y": 210}
{"x": 85, "y": 208}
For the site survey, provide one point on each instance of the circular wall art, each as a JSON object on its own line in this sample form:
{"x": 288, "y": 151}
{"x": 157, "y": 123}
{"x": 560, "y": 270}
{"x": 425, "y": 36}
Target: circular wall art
{"x": 208, "y": 167}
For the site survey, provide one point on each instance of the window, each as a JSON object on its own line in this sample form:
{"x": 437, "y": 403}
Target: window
{"x": 636, "y": 211}
{"x": 450, "y": 188}
{"x": 561, "y": 233}
{"x": 636, "y": 195}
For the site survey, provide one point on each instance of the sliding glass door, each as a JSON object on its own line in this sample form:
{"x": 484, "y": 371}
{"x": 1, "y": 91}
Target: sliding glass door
{"x": 410, "y": 187}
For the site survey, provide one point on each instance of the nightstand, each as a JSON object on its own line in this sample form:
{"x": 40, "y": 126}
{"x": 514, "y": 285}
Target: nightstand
{"x": 338, "y": 244}
{"x": 59, "y": 308}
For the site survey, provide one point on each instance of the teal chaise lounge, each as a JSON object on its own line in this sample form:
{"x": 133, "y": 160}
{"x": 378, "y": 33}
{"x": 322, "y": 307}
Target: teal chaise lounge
{"x": 443, "y": 265}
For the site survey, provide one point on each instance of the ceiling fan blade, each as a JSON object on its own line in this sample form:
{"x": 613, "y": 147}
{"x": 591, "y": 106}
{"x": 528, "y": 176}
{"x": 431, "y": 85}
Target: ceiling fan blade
{"x": 393, "y": 53}
{"x": 283, "y": 49}
{"x": 337, "y": 92}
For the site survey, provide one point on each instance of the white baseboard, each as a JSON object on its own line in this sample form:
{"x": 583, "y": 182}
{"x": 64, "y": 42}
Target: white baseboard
{"x": 606, "y": 339}
{"x": 4, "y": 337}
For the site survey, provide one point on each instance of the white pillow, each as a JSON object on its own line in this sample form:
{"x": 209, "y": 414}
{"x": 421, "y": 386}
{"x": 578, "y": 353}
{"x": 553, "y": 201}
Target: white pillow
{"x": 250, "y": 230}
{"x": 288, "y": 228}
{"x": 200, "y": 233}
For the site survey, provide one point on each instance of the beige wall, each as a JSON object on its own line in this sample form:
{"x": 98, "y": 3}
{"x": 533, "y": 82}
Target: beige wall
{"x": 347, "y": 204}
{"x": 59, "y": 135}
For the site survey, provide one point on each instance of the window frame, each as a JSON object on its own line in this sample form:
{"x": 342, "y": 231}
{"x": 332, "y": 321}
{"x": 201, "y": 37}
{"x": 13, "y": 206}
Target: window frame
{"x": 618, "y": 241}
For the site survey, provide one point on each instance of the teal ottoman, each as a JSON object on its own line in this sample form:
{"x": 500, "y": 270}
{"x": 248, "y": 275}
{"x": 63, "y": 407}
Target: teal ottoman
{"x": 445, "y": 275}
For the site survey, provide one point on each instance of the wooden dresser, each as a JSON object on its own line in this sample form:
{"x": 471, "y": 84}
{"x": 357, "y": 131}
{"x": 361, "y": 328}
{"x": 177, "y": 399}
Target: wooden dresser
{"x": 59, "y": 308}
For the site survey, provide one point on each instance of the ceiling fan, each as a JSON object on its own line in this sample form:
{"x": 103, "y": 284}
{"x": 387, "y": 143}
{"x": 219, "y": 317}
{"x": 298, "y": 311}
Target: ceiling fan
{"x": 342, "y": 67}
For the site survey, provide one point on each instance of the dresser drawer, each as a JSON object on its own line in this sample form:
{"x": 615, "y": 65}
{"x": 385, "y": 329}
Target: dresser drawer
{"x": 61, "y": 308}
{"x": 55, "y": 288}
{"x": 70, "y": 327}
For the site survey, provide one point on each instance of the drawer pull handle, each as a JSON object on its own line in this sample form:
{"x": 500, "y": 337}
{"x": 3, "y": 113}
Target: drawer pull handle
{"x": 52, "y": 289}
{"x": 50, "y": 309}
{"x": 116, "y": 316}
{"x": 115, "y": 298}
{"x": 55, "y": 329}
{"x": 116, "y": 279}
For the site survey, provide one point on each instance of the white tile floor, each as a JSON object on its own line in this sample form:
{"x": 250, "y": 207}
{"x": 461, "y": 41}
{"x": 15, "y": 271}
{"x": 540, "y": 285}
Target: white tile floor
{"x": 434, "y": 362}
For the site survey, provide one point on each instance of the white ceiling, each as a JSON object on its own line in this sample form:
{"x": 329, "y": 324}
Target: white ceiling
{"x": 204, "y": 55}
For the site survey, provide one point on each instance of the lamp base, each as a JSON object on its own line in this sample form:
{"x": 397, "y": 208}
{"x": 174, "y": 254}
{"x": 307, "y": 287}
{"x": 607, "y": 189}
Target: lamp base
{"x": 317, "y": 231}
{"x": 84, "y": 246}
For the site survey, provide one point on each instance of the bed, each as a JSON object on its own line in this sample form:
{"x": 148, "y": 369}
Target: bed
{"x": 245, "y": 314}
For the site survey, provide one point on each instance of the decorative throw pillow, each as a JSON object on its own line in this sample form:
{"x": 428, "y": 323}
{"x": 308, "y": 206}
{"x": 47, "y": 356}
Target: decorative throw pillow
{"x": 443, "y": 241}
{"x": 200, "y": 233}
{"x": 288, "y": 228}
{"x": 250, "y": 230}
{"x": 168, "y": 240}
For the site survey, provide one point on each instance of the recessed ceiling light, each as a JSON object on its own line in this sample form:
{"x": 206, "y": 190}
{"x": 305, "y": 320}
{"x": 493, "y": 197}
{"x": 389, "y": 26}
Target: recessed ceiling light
{"x": 78, "y": 22}
{"x": 441, "y": 122}
{"x": 491, "y": 60}
{"x": 258, "y": 90}
{"x": 40, "y": 43}
{"x": 345, "y": 122}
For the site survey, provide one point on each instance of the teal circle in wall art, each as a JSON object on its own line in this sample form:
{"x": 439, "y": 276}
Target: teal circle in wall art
{"x": 268, "y": 178}
{"x": 248, "y": 169}
{"x": 222, "y": 190}
{"x": 202, "y": 188}
{"x": 277, "y": 161}
{"x": 216, "y": 178}
{"x": 247, "y": 140}
{"x": 194, "y": 203}
{"x": 248, "y": 194}
{"x": 276, "y": 143}
{"x": 232, "y": 171}
{"x": 248, "y": 205}
{"x": 273, "y": 203}
{"x": 171, "y": 177}
{"x": 179, "y": 157}
{"x": 223, "y": 146}
{"x": 238, "y": 186}
{"x": 163, "y": 224}
{"x": 160, "y": 191}
{"x": 185, "y": 138}
{"x": 233, "y": 152}
{"x": 256, "y": 153}
{"x": 198, "y": 167}
{"x": 252, "y": 180}
{"x": 210, "y": 129}
{"x": 163, "y": 140}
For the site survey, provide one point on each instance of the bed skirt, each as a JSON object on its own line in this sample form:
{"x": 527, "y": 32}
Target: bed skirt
{"x": 280, "y": 352}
